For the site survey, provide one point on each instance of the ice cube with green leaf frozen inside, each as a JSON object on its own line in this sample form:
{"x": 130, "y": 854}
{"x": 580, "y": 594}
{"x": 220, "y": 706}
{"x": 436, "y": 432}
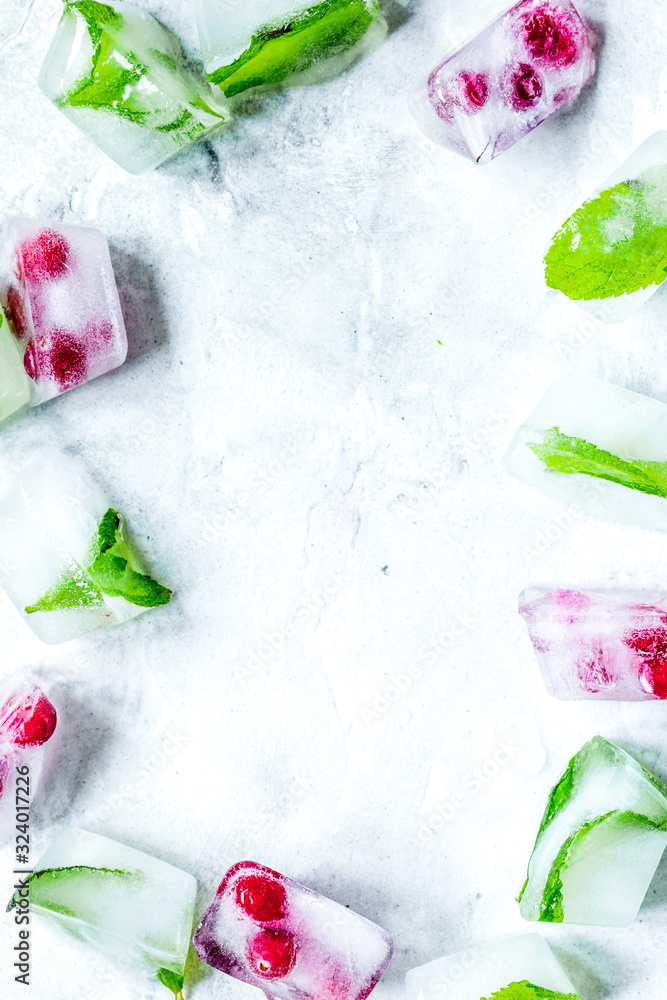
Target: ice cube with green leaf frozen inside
{"x": 68, "y": 563}
{"x": 610, "y": 256}
{"x": 14, "y": 383}
{"x": 602, "y": 836}
{"x": 121, "y": 77}
{"x": 130, "y": 906}
{"x": 599, "y": 446}
{"x": 517, "y": 968}
{"x": 276, "y": 43}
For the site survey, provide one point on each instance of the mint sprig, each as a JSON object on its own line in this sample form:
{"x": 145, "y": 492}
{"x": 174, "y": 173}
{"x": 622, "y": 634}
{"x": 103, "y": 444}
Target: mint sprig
{"x": 48, "y": 876}
{"x": 527, "y": 991}
{"x": 574, "y": 455}
{"x": 172, "y": 981}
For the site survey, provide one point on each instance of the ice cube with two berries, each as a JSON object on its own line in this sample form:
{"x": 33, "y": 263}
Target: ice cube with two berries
{"x": 521, "y": 69}
{"x": 65, "y": 325}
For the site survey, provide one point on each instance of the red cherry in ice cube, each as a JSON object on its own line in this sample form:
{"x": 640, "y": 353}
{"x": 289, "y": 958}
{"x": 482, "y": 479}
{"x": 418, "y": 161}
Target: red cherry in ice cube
{"x": 551, "y": 36}
{"x": 57, "y": 356}
{"x": 650, "y": 642}
{"x": 525, "y": 87}
{"x": 262, "y": 897}
{"x": 46, "y": 256}
{"x": 30, "y": 722}
{"x": 657, "y": 674}
{"x": 592, "y": 671}
{"x": 272, "y": 954}
{"x": 468, "y": 92}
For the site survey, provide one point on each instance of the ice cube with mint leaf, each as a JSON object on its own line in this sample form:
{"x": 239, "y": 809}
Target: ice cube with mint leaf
{"x": 134, "y": 908}
{"x": 264, "y": 44}
{"x": 69, "y": 566}
{"x": 601, "y": 839}
{"x": 610, "y": 256}
{"x": 597, "y": 446}
{"x": 516, "y": 968}
{"x": 122, "y": 78}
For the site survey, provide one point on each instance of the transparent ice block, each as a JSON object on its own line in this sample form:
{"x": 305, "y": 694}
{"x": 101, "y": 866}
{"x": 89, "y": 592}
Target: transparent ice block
{"x": 294, "y": 944}
{"x": 120, "y": 76}
{"x": 522, "y": 68}
{"x": 269, "y": 43}
{"x": 599, "y": 447}
{"x": 601, "y": 839}
{"x": 130, "y": 906}
{"x": 58, "y": 287}
{"x": 518, "y": 968}
{"x": 67, "y": 564}
{"x": 610, "y": 256}
{"x": 600, "y": 644}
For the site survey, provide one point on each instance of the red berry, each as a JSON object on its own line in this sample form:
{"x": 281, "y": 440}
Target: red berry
{"x": 56, "y": 356}
{"x": 592, "y": 671}
{"x": 650, "y": 642}
{"x": 45, "y": 256}
{"x": 551, "y": 36}
{"x": 656, "y": 674}
{"x": 262, "y": 897}
{"x": 468, "y": 92}
{"x": 525, "y": 87}
{"x": 272, "y": 954}
{"x": 30, "y": 722}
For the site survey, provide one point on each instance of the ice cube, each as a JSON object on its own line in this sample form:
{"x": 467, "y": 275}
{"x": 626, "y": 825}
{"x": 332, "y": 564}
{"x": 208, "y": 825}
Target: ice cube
{"x": 14, "y": 382}
{"x": 269, "y": 43}
{"x": 119, "y": 75}
{"x": 132, "y": 907}
{"x": 519, "y": 967}
{"x": 599, "y": 446}
{"x": 58, "y": 287}
{"x": 67, "y": 564}
{"x": 611, "y": 254}
{"x": 294, "y": 944}
{"x": 522, "y": 68}
{"x": 603, "y": 833}
{"x": 28, "y": 744}
{"x": 599, "y": 644}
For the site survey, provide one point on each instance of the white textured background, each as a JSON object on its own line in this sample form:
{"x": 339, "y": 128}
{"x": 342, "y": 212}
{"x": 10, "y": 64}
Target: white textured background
{"x": 318, "y": 478}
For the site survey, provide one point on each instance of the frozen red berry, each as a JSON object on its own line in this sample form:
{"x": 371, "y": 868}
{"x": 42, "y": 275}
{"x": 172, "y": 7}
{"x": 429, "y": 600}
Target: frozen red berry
{"x": 655, "y": 677}
{"x": 261, "y": 896}
{"x": 28, "y": 722}
{"x": 650, "y": 642}
{"x": 550, "y": 35}
{"x": 56, "y": 356}
{"x": 272, "y": 954}
{"x": 525, "y": 87}
{"x": 592, "y": 670}
{"x": 44, "y": 257}
{"x": 468, "y": 92}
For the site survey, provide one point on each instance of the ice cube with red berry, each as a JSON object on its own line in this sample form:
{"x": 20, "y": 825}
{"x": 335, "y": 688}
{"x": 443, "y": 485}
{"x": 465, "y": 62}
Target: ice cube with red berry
{"x": 605, "y": 644}
{"x": 291, "y": 942}
{"x": 28, "y": 722}
{"x": 58, "y": 289}
{"x": 517, "y": 72}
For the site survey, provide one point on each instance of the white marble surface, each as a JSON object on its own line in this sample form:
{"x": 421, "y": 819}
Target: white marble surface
{"x": 318, "y": 478}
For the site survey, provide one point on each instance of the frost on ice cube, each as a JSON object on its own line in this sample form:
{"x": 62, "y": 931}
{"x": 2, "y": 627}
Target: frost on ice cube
{"x": 602, "y": 835}
{"x": 28, "y": 743}
{"x": 526, "y": 65}
{"x": 518, "y": 968}
{"x": 599, "y": 446}
{"x": 269, "y": 43}
{"x": 611, "y": 254}
{"x": 294, "y": 944}
{"x": 68, "y": 564}
{"x": 599, "y": 644}
{"x": 132, "y": 907}
{"x": 14, "y": 383}
{"x": 60, "y": 294}
{"x": 120, "y": 76}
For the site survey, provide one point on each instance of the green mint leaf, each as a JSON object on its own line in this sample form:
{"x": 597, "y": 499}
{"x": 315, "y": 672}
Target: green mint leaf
{"x": 41, "y": 883}
{"x": 171, "y": 980}
{"x": 71, "y": 591}
{"x": 615, "y": 244}
{"x": 97, "y": 16}
{"x": 277, "y": 51}
{"x": 110, "y": 84}
{"x": 573, "y": 455}
{"x": 526, "y": 991}
{"x": 116, "y": 569}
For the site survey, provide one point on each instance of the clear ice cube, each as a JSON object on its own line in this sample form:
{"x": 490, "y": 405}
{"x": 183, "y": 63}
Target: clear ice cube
{"x": 598, "y": 446}
{"x": 601, "y": 839}
{"x": 120, "y": 76}
{"x": 67, "y": 564}
{"x": 522, "y": 68}
{"x": 294, "y": 944}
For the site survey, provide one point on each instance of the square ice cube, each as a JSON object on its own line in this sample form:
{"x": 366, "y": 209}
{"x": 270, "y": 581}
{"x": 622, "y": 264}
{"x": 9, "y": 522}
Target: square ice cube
{"x": 130, "y": 906}
{"x": 610, "y": 256}
{"x": 58, "y": 286}
{"x": 269, "y": 43}
{"x": 14, "y": 383}
{"x": 294, "y": 944}
{"x": 493, "y": 972}
{"x": 601, "y": 839}
{"x": 599, "y": 446}
{"x": 120, "y": 76}
{"x": 67, "y": 563}
{"x": 517, "y": 72}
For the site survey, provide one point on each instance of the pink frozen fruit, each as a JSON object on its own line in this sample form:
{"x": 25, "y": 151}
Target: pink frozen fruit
{"x": 294, "y": 944}
{"x": 59, "y": 293}
{"x": 609, "y": 645}
{"x": 516, "y": 73}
